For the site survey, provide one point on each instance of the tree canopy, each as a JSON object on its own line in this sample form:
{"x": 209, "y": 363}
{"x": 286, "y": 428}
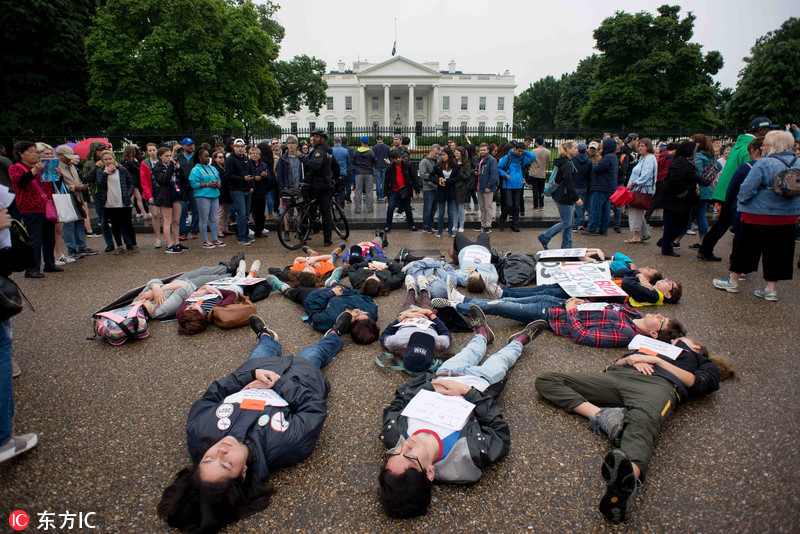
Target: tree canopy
{"x": 575, "y": 89}
{"x": 768, "y": 83}
{"x": 535, "y": 107}
{"x": 650, "y": 76}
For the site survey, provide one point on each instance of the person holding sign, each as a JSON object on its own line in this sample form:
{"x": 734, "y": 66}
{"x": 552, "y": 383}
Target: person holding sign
{"x": 629, "y": 402}
{"x": 447, "y": 426}
{"x": 265, "y": 415}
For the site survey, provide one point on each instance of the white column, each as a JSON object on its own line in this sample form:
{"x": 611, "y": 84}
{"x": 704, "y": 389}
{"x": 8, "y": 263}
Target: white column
{"x": 363, "y": 106}
{"x": 387, "y": 108}
{"x": 411, "y": 104}
{"x": 434, "y": 117}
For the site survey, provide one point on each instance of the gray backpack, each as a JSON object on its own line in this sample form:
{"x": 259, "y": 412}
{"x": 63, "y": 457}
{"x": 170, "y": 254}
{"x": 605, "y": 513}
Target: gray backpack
{"x": 787, "y": 183}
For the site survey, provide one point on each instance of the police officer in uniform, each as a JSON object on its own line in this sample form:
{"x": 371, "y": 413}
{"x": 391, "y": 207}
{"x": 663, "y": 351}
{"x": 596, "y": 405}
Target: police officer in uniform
{"x": 321, "y": 167}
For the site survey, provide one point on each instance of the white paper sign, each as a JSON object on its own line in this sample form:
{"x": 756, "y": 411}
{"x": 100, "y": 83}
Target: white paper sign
{"x": 443, "y": 410}
{"x": 665, "y": 349}
{"x": 267, "y": 395}
{"x": 592, "y": 306}
{"x": 557, "y": 253}
{"x": 236, "y": 281}
{"x": 477, "y": 254}
{"x": 579, "y": 279}
{"x": 205, "y": 298}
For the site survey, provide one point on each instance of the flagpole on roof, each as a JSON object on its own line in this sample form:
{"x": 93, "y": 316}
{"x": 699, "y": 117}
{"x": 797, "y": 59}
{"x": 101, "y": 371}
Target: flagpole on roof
{"x": 394, "y": 46}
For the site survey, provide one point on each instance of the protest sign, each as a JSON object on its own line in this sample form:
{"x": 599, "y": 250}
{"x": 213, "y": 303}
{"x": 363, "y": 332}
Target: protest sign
{"x": 442, "y": 410}
{"x": 560, "y": 253}
{"x": 579, "y": 279}
{"x": 645, "y": 344}
{"x": 49, "y": 174}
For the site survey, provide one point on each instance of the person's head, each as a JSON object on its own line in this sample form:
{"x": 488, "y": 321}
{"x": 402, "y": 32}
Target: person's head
{"x": 192, "y": 321}
{"x": 396, "y": 140}
{"x": 593, "y": 147}
{"x": 129, "y": 153}
{"x": 188, "y": 145}
{"x": 152, "y": 150}
{"x": 754, "y": 148}
{"x": 475, "y": 283}
{"x": 606, "y": 135}
{"x": 797, "y": 148}
{"x": 631, "y": 139}
{"x": 318, "y": 136}
{"x": 239, "y": 147}
{"x": 205, "y": 497}
{"x": 304, "y": 278}
{"x": 337, "y": 141}
{"x": 276, "y": 144}
{"x": 662, "y": 328}
{"x": 379, "y": 139}
{"x": 761, "y": 125}
{"x": 447, "y": 158}
{"x": 619, "y": 145}
{"x": 364, "y": 140}
{"x": 493, "y": 149}
{"x": 434, "y": 151}
{"x": 687, "y": 149}
{"x": 645, "y": 146}
{"x": 672, "y": 291}
{"x": 652, "y": 275}
{"x": 776, "y": 142}
{"x": 164, "y": 155}
{"x": 527, "y": 142}
{"x": 405, "y": 141}
{"x": 66, "y": 155}
{"x": 108, "y": 158}
{"x": 725, "y": 366}
{"x": 539, "y": 141}
{"x": 418, "y": 354}
{"x": 568, "y": 149}
{"x": 582, "y": 148}
{"x": 483, "y": 150}
{"x": 291, "y": 142}
{"x": 202, "y": 156}
{"x": 404, "y": 493}
{"x": 218, "y": 158}
{"x": 703, "y": 143}
{"x": 363, "y": 328}
{"x": 460, "y": 153}
{"x": 45, "y": 150}
{"x": 374, "y": 287}
{"x": 304, "y": 146}
{"x": 396, "y": 156}
{"x": 255, "y": 154}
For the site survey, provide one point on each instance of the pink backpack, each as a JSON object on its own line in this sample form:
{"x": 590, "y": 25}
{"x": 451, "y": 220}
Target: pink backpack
{"x": 128, "y": 323}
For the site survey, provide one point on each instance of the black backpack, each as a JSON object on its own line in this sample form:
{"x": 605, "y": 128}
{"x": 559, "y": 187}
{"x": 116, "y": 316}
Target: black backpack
{"x": 517, "y": 270}
{"x": 787, "y": 183}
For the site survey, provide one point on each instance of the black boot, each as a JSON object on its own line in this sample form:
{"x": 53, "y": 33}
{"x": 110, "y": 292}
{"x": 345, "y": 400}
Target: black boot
{"x": 232, "y": 265}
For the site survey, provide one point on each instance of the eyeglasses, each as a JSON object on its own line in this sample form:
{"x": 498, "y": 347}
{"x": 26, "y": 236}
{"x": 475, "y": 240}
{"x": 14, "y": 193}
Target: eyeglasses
{"x": 396, "y": 452}
{"x": 663, "y": 322}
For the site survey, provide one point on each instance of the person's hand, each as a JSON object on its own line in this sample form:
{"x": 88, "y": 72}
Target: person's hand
{"x": 152, "y": 201}
{"x": 248, "y": 177}
{"x": 337, "y": 290}
{"x": 209, "y": 290}
{"x": 413, "y": 313}
{"x": 108, "y": 169}
{"x": 158, "y": 295}
{"x": 508, "y": 177}
{"x": 59, "y": 172}
{"x": 5, "y": 219}
{"x": 264, "y": 380}
{"x": 644, "y": 368}
{"x": 81, "y": 187}
{"x": 579, "y": 203}
{"x": 375, "y": 266}
{"x": 643, "y": 358}
{"x": 257, "y": 178}
{"x": 98, "y": 163}
{"x": 450, "y": 387}
{"x": 416, "y": 195}
{"x": 177, "y": 165}
{"x": 386, "y": 199}
{"x": 573, "y": 303}
{"x": 487, "y": 190}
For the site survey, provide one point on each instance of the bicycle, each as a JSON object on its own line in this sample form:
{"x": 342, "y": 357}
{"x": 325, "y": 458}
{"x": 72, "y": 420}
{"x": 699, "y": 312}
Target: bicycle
{"x": 302, "y": 216}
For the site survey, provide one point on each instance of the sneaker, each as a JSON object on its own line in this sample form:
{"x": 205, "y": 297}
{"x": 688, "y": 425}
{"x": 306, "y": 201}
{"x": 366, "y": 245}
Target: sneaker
{"x": 691, "y": 232}
{"x": 411, "y": 284}
{"x": 158, "y": 243}
{"x": 194, "y": 236}
{"x": 771, "y": 296}
{"x": 477, "y": 319}
{"x": 423, "y": 284}
{"x": 335, "y": 276}
{"x": 59, "y": 262}
{"x": 182, "y": 238}
{"x": 611, "y": 421}
{"x": 174, "y": 249}
{"x": 588, "y": 232}
{"x": 275, "y": 283}
{"x": 708, "y": 257}
{"x": 94, "y": 234}
{"x": 182, "y": 247}
{"x": 88, "y": 252}
{"x": 208, "y": 244}
{"x": 726, "y": 284}
{"x": 250, "y": 232}
{"x": 110, "y": 248}
{"x": 254, "y": 269}
{"x": 487, "y": 230}
{"x": 531, "y": 331}
{"x": 259, "y": 327}
{"x": 742, "y": 277}
{"x": 233, "y": 264}
{"x": 442, "y": 303}
{"x": 438, "y": 235}
{"x": 342, "y": 324}
{"x": 16, "y": 370}
{"x": 217, "y": 243}
{"x": 244, "y": 243}
{"x": 133, "y": 248}
{"x": 695, "y": 246}
{"x": 621, "y": 486}
{"x": 241, "y": 269}
{"x": 67, "y": 258}
{"x": 452, "y": 293}
{"x": 543, "y": 240}
{"x": 308, "y": 251}
{"x": 17, "y": 445}
{"x": 119, "y": 251}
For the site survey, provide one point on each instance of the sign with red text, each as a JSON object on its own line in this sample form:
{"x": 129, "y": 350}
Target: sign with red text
{"x": 579, "y": 279}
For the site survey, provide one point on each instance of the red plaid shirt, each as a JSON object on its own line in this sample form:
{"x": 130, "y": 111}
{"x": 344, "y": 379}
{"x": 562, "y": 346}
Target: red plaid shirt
{"x": 612, "y": 327}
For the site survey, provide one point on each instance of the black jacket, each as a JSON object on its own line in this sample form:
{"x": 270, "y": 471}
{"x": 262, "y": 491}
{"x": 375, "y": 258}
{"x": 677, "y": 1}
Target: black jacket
{"x": 448, "y": 191}
{"x": 565, "y": 193}
{"x": 393, "y": 276}
{"x": 390, "y": 180}
{"x": 236, "y": 168}
{"x": 290, "y": 433}
{"x": 680, "y": 190}
{"x": 319, "y": 165}
{"x": 583, "y": 165}
{"x": 163, "y": 176}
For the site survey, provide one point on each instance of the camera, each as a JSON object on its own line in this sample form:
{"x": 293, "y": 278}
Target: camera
{"x": 179, "y": 150}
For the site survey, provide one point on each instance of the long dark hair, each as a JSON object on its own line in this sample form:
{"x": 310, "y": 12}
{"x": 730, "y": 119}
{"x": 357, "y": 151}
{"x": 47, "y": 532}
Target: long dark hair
{"x": 451, "y": 158}
{"x": 266, "y": 154}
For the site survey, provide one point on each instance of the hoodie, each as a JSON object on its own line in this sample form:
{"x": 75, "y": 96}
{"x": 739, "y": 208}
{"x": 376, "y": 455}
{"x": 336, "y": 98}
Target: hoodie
{"x": 737, "y": 156}
{"x": 680, "y": 190}
{"x": 509, "y": 168}
{"x": 604, "y": 178}
{"x": 89, "y": 172}
{"x": 584, "y": 167}
{"x": 364, "y": 161}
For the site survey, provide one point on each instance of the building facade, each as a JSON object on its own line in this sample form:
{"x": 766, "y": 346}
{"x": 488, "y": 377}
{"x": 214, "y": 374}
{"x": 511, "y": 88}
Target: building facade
{"x": 399, "y": 93}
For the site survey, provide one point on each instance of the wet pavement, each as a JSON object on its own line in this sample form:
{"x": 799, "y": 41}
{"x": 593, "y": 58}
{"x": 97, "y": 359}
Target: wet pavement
{"x": 111, "y": 420}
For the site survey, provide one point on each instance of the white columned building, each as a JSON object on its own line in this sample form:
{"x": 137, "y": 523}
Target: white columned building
{"x": 400, "y": 93}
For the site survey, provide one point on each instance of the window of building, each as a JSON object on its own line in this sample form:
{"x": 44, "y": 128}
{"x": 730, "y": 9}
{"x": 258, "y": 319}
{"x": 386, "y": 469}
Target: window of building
{"x": 481, "y": 128}
{"x": 446, "y": 103}
{"x": 418, "y": 103}
{"x": 330, "y": 128}
{"x": 312, "y": 125}
{"x": 500, "y": 126}
{"x": 464, "y": 102}
{"x": 501, "y": 103}
{"x": 418, "y": 127}
{"x": 482, "y": 103}
{"x": 348, "y": 103}
{"x": 463, "y": 127}
{"x": 397, "y": 103}
{"x": 329, "y": 104}
{"x": 376, "y": 103}
{"x": 348, "y": 127}
{"x": 445, "y": 125}
{"x": 293, "y": 127}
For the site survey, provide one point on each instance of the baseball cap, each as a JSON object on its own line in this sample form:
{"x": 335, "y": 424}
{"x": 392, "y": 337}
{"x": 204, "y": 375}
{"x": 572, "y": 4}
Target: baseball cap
{"x": 419, "y": 353}
{"x": 364, "y": 139}
{"x": 398, "y": 136}
{"x": 581, "y": 147}
{"x": 238, "y": 142}
{"x": 64, "y": 150}
{"x": 762, "y": 122}
{"x": 187, "y": 141}
{"x": 594, "y": 145}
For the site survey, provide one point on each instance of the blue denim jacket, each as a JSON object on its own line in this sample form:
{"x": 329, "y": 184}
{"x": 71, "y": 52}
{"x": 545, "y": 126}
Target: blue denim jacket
{"x": 756, "y": 195}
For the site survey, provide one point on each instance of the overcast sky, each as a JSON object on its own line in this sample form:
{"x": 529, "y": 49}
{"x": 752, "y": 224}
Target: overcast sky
{"x": 530, "y": 38}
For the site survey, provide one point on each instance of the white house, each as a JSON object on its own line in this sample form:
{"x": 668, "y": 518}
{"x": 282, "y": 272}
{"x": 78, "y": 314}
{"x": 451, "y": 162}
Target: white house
{"x": 401, "y": 93}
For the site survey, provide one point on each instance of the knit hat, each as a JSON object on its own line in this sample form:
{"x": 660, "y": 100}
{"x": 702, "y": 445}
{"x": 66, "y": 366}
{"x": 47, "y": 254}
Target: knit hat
{"x": 419, "y": 352}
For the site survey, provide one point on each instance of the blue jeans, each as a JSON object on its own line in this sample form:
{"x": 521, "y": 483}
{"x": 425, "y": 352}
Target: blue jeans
{"x": 493, "y": 370}
{"x": 270, "y": 202}
{"x": 524, "y": 310}
{"x": 380, "y": 175}
{"x": 320, "y": 354}
{"x": 601, "y": 204}
{"x": 580, "y": 210}
{"x": 208, "y": 207}
{"x": 190, "y": 202}
{"x": 451, "y": 205}
{"x": 74, "y": 236}
{"x": 564, "y": 226}
{"x": 699, "y": 213}
{"x": 6, "y": 392}
{"x": 428, "y": 209}
{"x": 105, "y": 226}
{"x": 241, "y": 208}
{"x": 553, "y": 290}
{"x": 461, "y": 216}
{"x": 396, "y": 202}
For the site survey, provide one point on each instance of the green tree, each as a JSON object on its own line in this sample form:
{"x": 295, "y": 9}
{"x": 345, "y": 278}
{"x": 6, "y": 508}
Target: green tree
{"x": 768, "y": 83}
{"x": 44, "y": 70}
{"x": 301, "y": 83}
{"x": 535, "y": 107}
{"x": 575, "y": 89}
{"x": 650, "y": 76}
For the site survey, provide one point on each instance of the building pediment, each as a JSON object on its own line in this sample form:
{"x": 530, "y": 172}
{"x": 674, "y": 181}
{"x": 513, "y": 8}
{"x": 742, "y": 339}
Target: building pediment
{"x": 399, "y": 66}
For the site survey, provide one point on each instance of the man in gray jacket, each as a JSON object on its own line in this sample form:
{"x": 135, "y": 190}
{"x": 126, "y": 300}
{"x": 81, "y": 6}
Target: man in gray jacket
{"x": 429, "y": 185}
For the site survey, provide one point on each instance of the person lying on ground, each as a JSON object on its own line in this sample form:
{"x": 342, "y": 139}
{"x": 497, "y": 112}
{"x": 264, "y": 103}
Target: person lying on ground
{"x": 314, "y": 269}
{"x": 403, "y": 335}
{"x": 629, "y": 402}
{"x": 475, "y": 262}
{"x": 614, "y": 326}
{"x": 265, "y": 415}
{"x": 325, "y": 306}
{"x": 419, "y": 452}
{"x": 436, "y": 271}
{"x": 376, "y": 277}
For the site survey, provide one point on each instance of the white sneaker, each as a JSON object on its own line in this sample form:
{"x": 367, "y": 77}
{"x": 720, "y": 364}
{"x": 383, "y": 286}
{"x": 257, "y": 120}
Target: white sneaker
{"x": 452, "y": 293}
{"x": 461, "y": 229}
{"x": 423, "y": 284}
{"x": 254, "y": 269}
{"x": 250, "y": 232}
{"x": 411, "y": 284}
{"x": 241, "y": 270}
{"x": 17, "y": 445}
{"x": 158, "y": 243}
{"x": 60, "y": 263}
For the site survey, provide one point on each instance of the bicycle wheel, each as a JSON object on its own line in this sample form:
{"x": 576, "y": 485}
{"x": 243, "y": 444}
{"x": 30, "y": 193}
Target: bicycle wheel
{"x": 293, "y": 227}
{"x": 340, "y": 224}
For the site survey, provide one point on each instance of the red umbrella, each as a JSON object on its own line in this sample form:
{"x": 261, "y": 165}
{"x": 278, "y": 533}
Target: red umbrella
{"x": 82, "y": 148}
